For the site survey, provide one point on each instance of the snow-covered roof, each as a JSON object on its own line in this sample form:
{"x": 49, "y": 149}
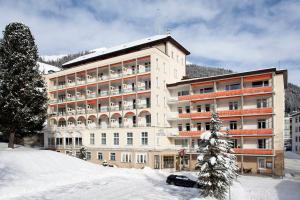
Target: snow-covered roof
{"x": 46, "y": 68}
{"x": 104, "y": 51}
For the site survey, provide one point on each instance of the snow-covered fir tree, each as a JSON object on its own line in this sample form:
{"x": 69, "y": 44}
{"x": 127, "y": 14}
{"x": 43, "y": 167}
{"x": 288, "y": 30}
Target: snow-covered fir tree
{"x": 23, "y": 95}
{"x": 217, "y": 164}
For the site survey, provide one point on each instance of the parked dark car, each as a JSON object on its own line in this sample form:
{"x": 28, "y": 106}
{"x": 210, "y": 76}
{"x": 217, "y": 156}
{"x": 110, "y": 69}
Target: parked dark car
{"x": 180, "y": 180}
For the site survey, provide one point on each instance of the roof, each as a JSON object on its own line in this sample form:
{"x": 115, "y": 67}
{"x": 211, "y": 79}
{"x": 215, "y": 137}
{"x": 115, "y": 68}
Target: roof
{"x": 211, "y": 78}
{"x": 294, "y": 114}
{"x": 47, "y": 69}
{"x": 123, "y": 49}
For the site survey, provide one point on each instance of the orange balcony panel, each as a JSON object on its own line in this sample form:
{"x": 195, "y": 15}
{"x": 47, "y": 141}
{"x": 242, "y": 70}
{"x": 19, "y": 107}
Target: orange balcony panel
{"x": 229, "y": 80}
{"x": 257, "y": 77}
{"x": 200, "y": 115}
{"x": 257, "y": 90}
{"x": 257, "y": 111}
{"x": 184, "y": 115}
{"x": 202, "y": 84}
{"x": 116, "y": 64}
{"x": 92, "y": 101}
{"x": 224, "y": 113}
{"x": 143, "y": 75}
{"x": 237, "y": 132}
{"x": 190, "y": 133}
{"x": 253, "y": 151}
{"x": 226, "y": 93}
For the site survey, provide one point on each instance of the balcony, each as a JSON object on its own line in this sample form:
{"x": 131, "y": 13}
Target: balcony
{"x": 61, "y": 86}
{"x": 115, "y": 108}
{"x": 228, "y": 113}
{"x": 72, "y": 98}
{"x": 229, "y": 93}
{"x": 103, "y": 93}
{"x": 91, "y": 79}
{"x": 80, "y": 82}
{"x": 91, "y": 95}
{"x": 190, "y": 133}
{"x": 253, "y": 151}
{"x": 128, "y": 107}
{"x": 115, "y": 75}
{"x": 81, "y": 111}
{"x": 90, "y": 111}
{"x": 250, "y": 132}
{"x": 103, "y": 109}
{"x": 70, "y": 84}
{"x": 115, "y": 92}
{"x": 80, "y": 97}
{"x": 141, "y": 106}
{"x": 53, "y": 101}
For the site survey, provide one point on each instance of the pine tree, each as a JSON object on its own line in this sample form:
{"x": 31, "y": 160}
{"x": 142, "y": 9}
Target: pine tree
{"x": 23, "y": 95}
{"x": 216, "y": 162}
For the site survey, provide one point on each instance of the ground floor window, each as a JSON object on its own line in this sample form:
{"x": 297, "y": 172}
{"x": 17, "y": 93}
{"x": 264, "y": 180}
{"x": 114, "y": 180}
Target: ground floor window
{"x": 261, "y": 163}
{"x": 126, "y": 157}
{"x": 112, "y": 156}
{"x": 168, "y": 161}
{"x": 59, "y": 141}
{"x": 68, "y": 141}
{"x": 100, "y": 156}
{"x": 78, "y": 141}
{"x": 88, "y": 155}
{"x": 77, "y": 154}
{"x": 141, "y": 158}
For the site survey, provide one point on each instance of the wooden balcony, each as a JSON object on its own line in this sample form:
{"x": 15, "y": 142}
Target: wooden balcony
{"x": 229, "y": 93}
{"x": 253, "y": 151}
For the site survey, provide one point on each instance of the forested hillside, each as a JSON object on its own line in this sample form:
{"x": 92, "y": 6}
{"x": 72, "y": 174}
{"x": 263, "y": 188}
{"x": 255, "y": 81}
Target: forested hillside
{"x": 292, "y": 96}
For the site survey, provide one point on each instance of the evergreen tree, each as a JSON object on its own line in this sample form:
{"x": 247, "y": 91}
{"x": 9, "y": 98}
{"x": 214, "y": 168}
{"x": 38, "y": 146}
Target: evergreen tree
{"x": 216, "y": 162}
{"x": 23, "y": 95}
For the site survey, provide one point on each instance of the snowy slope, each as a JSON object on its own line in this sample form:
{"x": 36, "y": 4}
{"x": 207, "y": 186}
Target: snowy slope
{"x": 53, "y": 57}
{"x": 41, "y": 174}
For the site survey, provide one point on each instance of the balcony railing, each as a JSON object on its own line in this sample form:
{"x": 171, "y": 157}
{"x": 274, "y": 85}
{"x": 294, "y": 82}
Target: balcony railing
{"x": 245, "y": 91}
{"x": 89, "y": 111}
{"x": 103, "y": 109}
{"x": 103, "y": 93}
{"x": 92, "y": 95}
{"x": 250, "y": 132}
{"x": 253, "y": 151}
{"x": 228, "y": 113}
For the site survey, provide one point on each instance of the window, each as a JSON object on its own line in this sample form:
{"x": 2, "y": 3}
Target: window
{"x": 126, "y": 157}
{"x": 69, "y": 141}
{"x": 116, "y": 138}
{"x": 261, "y": 103}
{"x": 103, "y": 138}
{"x": 129, "y": 138}
{"x": 296, "y": 119}
{"x": 100, "y": 156}
{"x": 199, "y": 126}
{"x": 206, "y": 90}
{"x": 207, "y": 107}
{"x": 233, "y": 125}
{"x": 179, "y": 110}
{"x": 183, "y": 93}
{"x": 261, "y": 143}
{"x": 261, "y": 123}
{"x": 112, "y": 156}
{"x": 207, "y": 126}
{"x": 198, "y": 108}
{"x": 234, "y": 86}
{"x": 157, "y": 99}
{"x": 260, "y": 83}
{"x": 78, "y": 141}
{"x": 92, "y": 138}
{"x": 88, "y": 155}
{"x": 157, "y": 82}
{"x": 261, "y": 163}
{"x": 187, "y": 109}
{"x": 144, "y": 138}
{"x": 164, "y": 67}
{"x": 59, "y": 141}
{"x": 233, "y": 105}
{"x": 141, "y": 158}
{"x": 168, "y": 161}
{"x": 188, "y": 127}
{"x": 179, "y": 127}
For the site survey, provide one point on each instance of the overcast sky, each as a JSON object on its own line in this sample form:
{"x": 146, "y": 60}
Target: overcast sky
{"x": 237, "y": 34}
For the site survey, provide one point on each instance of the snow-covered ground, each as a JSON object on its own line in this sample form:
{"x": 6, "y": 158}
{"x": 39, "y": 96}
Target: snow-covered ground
{"x": 40, "y": 174}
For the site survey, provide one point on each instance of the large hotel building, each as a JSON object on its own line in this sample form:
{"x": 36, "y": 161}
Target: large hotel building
{"x": 132, "y": 106}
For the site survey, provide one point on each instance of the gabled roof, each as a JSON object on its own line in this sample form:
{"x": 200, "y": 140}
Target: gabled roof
{"x": 123, "y": 49}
